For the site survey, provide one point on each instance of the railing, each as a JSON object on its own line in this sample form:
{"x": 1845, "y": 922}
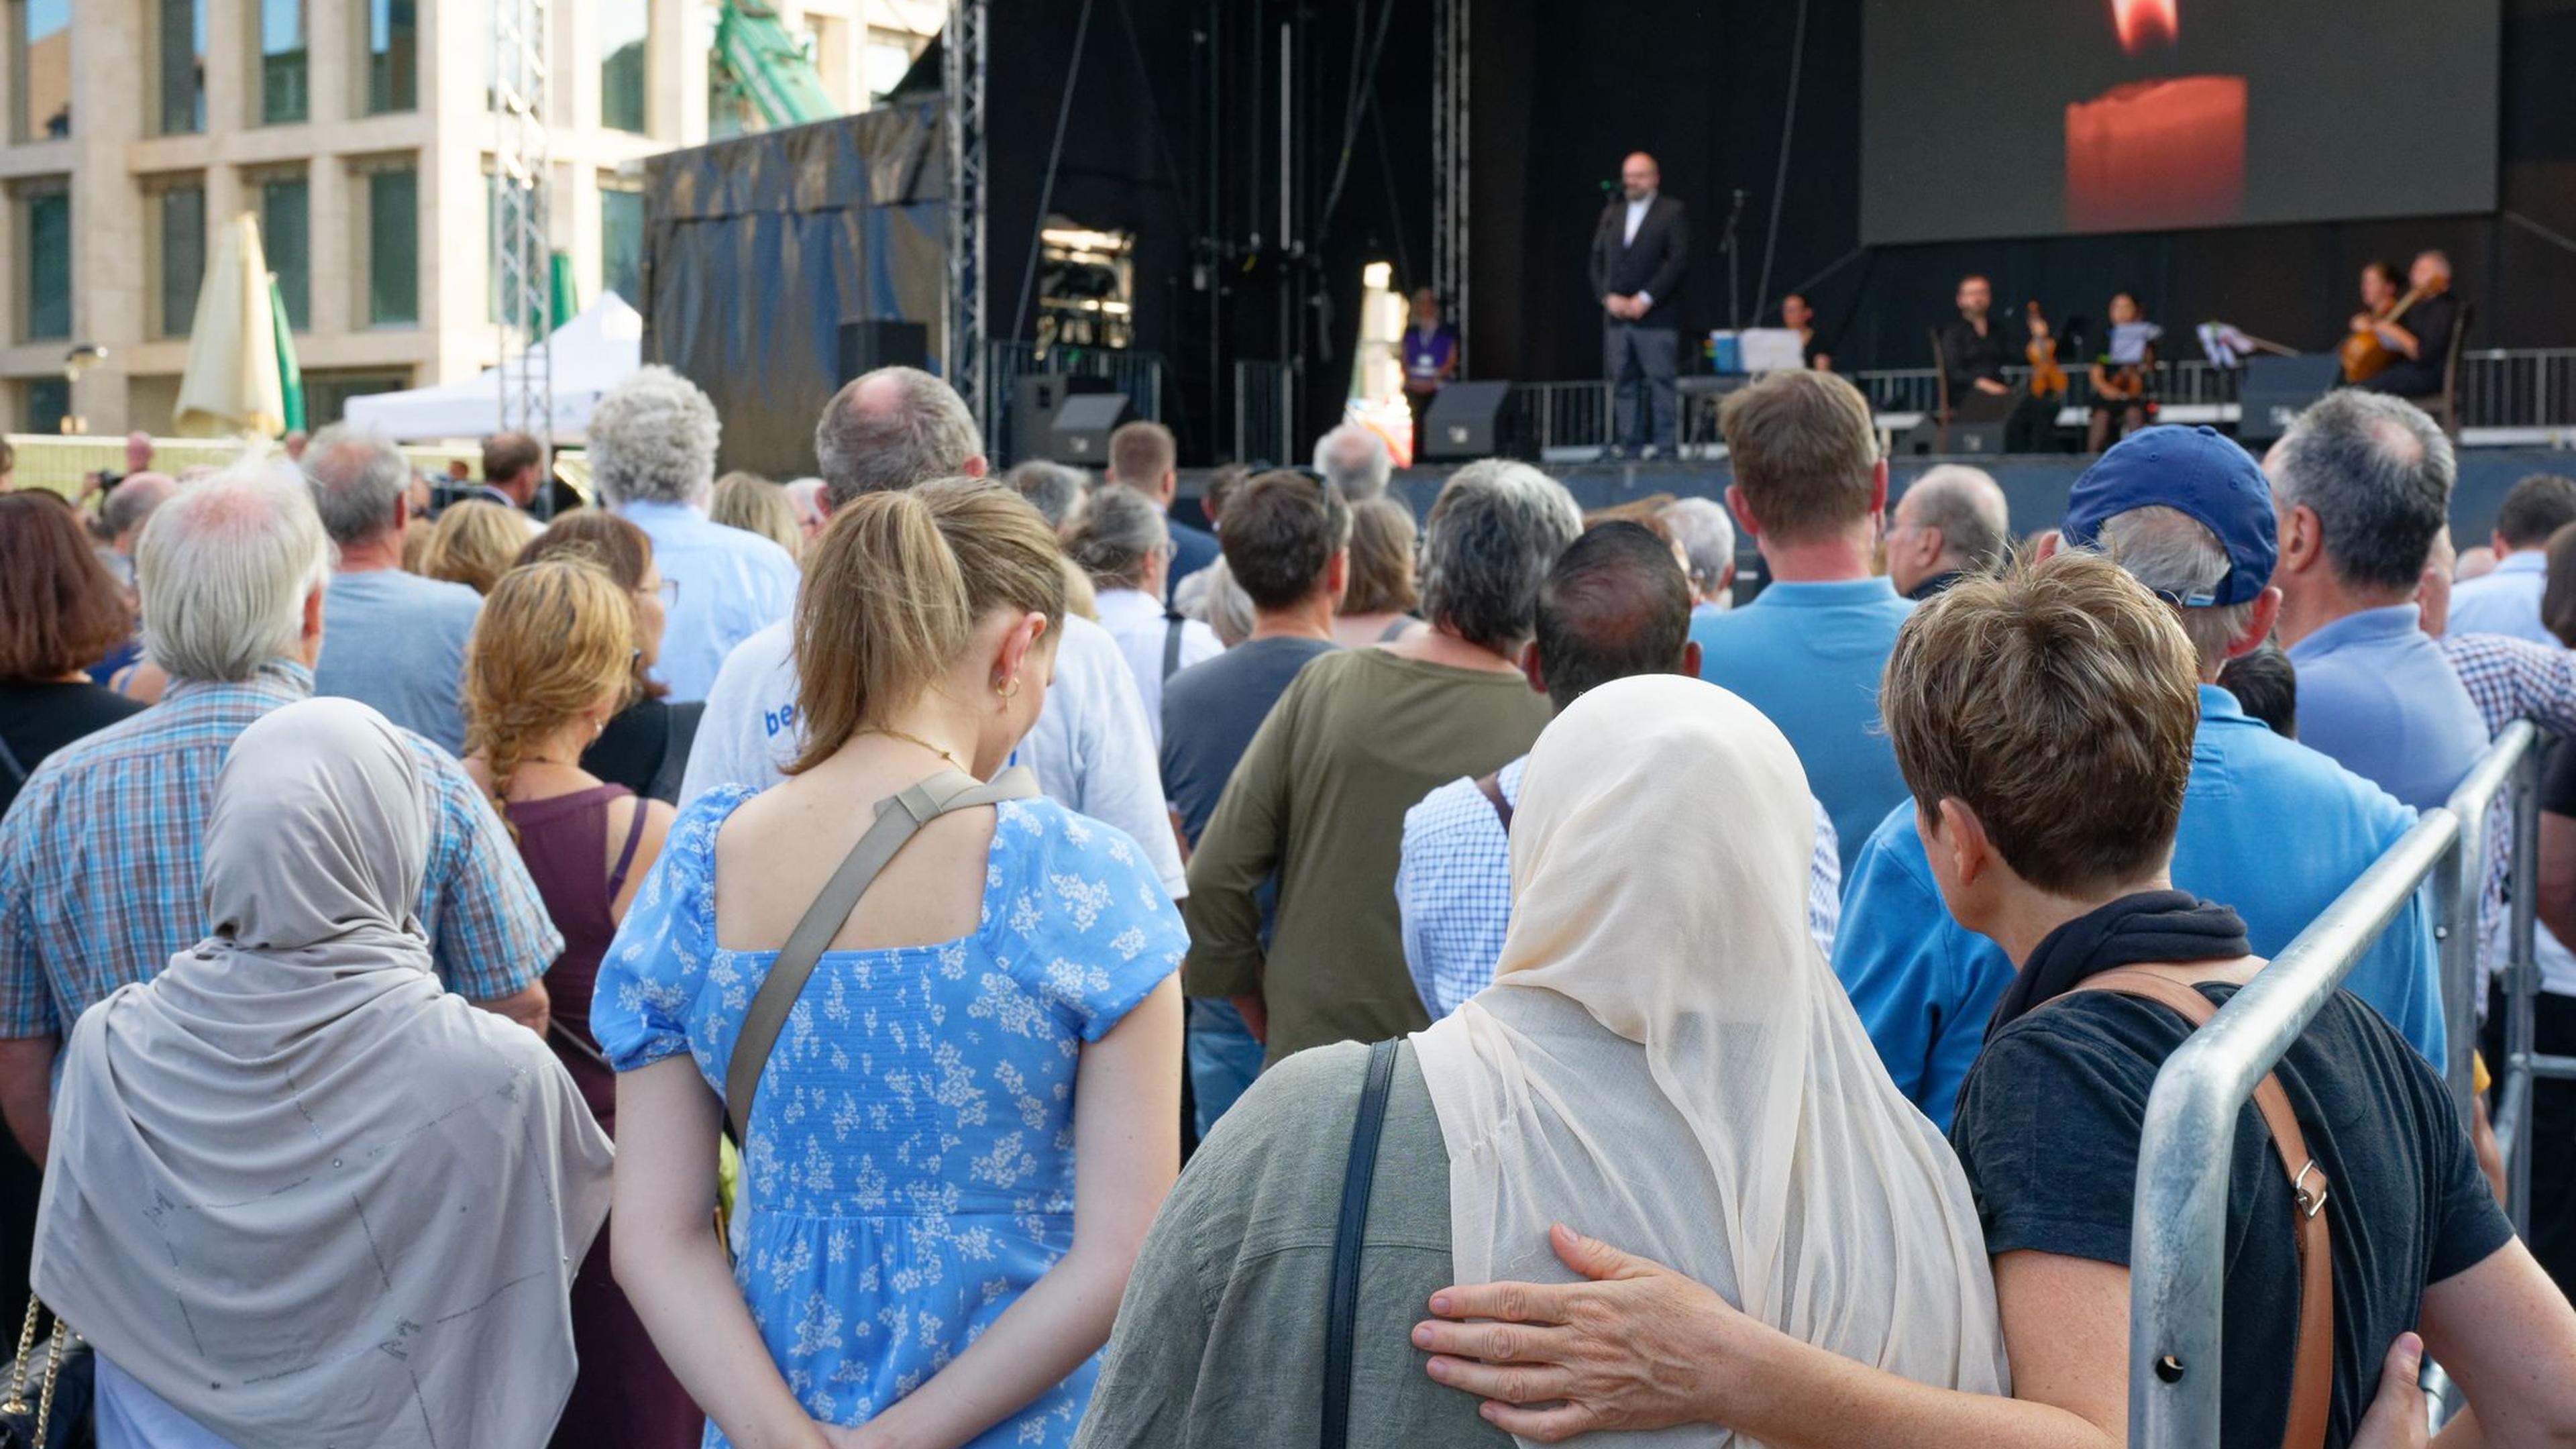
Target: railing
{"x": 1137, "y": 374}
{"x": 63, "y": 463}
{"x": 1261, "y": 412}
{"x": 2179, "y": 1225}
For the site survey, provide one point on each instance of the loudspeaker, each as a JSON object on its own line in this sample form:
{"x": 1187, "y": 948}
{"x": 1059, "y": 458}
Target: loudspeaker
{"x": 2276, "y": 390}
{"x": 882, "y": 342}
{"x": 1083, "y": 423}
{"x": 1466, "y": 421}
{"x": 1034, "y": 398}
{"x": 1924, "y": 439}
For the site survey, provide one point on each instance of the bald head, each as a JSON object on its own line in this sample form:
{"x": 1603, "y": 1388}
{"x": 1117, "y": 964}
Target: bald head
{"x": 132, "y": 502}
{"x": 893, "y": 429}
{"x": 1615, "y": 604}
{"x": 1961, "y": 517}
{"x": 1639, "y": 176}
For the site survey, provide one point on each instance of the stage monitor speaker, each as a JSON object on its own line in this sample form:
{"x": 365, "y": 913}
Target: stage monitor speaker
{"x": 1083, "y": 423}
{"x": 1466, "y": 422}
{"x": 1924, "y": 439}
{"x": 2275, "y": 390}
{"x": 1034, "y": 399}
{"x": 882, "y": 342}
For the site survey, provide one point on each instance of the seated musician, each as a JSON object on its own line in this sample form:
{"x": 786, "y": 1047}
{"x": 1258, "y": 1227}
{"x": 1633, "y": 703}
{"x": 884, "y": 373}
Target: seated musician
{"x": 1800, "y": 318}
{"x": 1973, "y": 353}
{"x": 2124, "y": 375}
{"x": 2418, "y": 331}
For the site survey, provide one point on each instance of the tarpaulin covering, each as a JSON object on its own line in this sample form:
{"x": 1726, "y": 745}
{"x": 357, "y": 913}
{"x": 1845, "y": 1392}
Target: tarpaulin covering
{"x": 757, "y": 249}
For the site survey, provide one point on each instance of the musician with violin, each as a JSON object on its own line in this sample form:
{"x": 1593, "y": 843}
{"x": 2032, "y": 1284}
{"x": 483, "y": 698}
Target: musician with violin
{"x": 2123, "y": 376}
{"x": 2399, "y": 347}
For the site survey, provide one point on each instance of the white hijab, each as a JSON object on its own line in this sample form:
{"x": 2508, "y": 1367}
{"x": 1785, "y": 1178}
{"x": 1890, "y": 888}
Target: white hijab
{"x": 298, "y": 1190}
{"x": 1664, "y": 1061}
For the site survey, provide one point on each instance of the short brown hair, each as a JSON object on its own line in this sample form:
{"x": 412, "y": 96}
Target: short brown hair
{"x": 2558, "y": 595}
{"x": 601, "y": 537}
{"x": 893, "y": 593}
{"x": 1382, "y": 535}
{"x": 1804, "y": 451}
{"x": 1281, "y": 530}
{"x": 506, "y": 454}
{"x": 60, "y": 609}
{"x": 1140, "y": 453}
{"x": 2058, "y": 702}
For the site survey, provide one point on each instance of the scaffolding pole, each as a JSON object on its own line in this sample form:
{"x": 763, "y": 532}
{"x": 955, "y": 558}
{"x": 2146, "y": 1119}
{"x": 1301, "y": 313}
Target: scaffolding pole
{"x": 962, "y": 77}
{"x": 522, "y": 161}
{"x": 1449, "y": 163}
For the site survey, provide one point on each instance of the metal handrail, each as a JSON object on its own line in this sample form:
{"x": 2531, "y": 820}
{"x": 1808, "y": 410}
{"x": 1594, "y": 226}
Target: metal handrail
{"x": 2178, "y": 1227}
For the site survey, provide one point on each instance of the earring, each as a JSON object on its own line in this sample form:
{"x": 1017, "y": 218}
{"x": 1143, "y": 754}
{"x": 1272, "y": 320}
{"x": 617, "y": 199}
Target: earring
{"x": 1013, "y": 692}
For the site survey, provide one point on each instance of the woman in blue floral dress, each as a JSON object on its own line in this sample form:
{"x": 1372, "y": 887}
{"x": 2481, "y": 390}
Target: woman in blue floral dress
{"x": 971, "y": 1114}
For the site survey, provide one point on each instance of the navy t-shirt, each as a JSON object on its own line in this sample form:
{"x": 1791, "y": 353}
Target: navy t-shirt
{"x": 2048, "y": 1125}
{"x": 1211, "y": 711}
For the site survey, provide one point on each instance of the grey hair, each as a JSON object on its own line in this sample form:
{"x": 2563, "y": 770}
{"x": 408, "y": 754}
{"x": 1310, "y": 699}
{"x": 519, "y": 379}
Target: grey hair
{"x": 923, "y": 432}
{"x": 224, "y": 568}
{"x": 1354, "y": 460}
{"x": 2176, "y": 555}
{"x": 1051, "y": 488}
{"x": 355, "y": 475}
{"x": 1967, "y": 506}
{"x": 133, "y": 500}
{"x": 1220, "y": 603}
{"x": 1707, "y": 537}
{"x": 1119, "y": 531}
{"x": 653, "y": 440}
{"x": 1492, "y": 535}
{"x": 2378, "y": 473}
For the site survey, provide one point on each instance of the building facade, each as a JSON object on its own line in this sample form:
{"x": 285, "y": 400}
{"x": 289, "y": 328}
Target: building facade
{"x": 360, "y": 134}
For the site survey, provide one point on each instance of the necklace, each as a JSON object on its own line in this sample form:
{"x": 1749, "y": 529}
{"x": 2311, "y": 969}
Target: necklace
{"x": 894, "y": 734}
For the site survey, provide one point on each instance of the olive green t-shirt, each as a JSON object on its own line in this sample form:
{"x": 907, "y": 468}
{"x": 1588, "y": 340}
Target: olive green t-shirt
{"x": 1220, "y": 1339}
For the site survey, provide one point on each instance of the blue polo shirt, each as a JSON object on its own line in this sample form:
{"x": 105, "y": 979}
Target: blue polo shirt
{"x": 1809, "y": 656}
{"x": 2378, "y": 695}
{"x": 2268, "y": 826}
{"x": 2506, "y": 601}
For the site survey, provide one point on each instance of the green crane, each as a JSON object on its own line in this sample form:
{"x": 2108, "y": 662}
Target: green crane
{"x": 770, "y": 66}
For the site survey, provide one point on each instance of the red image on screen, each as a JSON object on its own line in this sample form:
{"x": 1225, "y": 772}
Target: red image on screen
{"x": 2154, "y": 153}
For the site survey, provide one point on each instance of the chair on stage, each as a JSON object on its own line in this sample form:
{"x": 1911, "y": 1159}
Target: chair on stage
{"x": 2445, "y": 405}
{"x": 1940, "y": 393}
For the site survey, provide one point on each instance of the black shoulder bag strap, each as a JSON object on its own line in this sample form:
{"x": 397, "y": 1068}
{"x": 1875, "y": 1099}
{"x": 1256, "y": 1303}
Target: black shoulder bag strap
{"x": 1341, "y": 1322}
{"x": 897, "y": 819}
{"x": 1172, "y": 626}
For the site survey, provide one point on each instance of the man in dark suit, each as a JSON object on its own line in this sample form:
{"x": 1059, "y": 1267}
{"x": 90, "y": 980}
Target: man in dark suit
{"x": 1639, "y": 252}
{"x": 1143, "y": 456}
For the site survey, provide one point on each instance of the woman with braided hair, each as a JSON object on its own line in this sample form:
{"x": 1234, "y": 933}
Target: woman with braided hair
{"x": 550, "y": 662}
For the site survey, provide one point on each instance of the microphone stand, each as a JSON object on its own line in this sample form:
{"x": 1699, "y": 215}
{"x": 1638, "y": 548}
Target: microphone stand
{"x": 1734, "y": 293}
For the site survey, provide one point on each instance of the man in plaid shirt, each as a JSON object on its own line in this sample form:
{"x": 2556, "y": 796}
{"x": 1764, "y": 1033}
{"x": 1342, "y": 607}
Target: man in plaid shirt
{"x": 99, "y": 856}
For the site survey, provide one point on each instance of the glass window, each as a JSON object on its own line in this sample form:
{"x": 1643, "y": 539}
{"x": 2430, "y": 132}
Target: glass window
{"x": 41, "y": 68}
{"x": 48, "y": 399}
{"x": 392, "y": 59}
{"x": 625, "y": 37}
{"x": 182, "y": 37}
{"x": 621, "y": 243}
{"x": 286, "y": 234}
{"x": 327, "y": 394}
{"x": 46, "y": 232}
{"x": 183, "y": 255}
{"x": 393, "y": 247}
{"x": 283, "y": 59}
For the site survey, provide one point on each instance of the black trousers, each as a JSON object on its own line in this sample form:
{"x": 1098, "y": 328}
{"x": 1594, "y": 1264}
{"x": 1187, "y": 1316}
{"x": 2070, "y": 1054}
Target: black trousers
{"x": 2553, "y": 1133}
{"x": 1641, "y": 363}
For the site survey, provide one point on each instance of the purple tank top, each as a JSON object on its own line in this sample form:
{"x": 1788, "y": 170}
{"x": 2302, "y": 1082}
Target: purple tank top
{"x": 562, "y": 840}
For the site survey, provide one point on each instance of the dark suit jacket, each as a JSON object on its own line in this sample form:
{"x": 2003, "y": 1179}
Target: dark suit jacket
{"x": 1653, "y": 264}
{"x": 1193, "y": 549}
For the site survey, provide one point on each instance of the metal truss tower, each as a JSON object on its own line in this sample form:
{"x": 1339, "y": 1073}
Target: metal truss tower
{"x": 522, "y": 163}
{"x": 962, "y": 55}
{"x": 1449, "y": 163}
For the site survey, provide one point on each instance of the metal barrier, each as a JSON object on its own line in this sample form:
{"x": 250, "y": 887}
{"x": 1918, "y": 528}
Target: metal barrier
{"x": 1261, "y": 411}
{"x": 63, "y": 463}
{"x": 2178, "y": 1228}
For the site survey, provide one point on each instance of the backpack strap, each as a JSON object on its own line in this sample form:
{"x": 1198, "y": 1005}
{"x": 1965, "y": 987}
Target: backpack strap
{"x": 1342, "y": 1306}
{"x": 2312, "y": 1371}
{"x": 898, "y": 819}
{"x": 1172, "y": 625}
{"x": 1491, "y": 787}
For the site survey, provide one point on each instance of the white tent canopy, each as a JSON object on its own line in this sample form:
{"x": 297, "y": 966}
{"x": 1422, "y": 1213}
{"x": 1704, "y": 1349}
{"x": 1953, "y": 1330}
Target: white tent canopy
{"x": 591, "y": 354}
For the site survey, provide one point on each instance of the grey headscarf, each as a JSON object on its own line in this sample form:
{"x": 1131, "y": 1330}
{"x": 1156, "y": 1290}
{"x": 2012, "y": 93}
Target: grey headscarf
{"x": 298, "y": 1189}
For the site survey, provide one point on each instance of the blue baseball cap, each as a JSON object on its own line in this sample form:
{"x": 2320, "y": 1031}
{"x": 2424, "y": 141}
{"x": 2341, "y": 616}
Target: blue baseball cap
{"x": 2199, "y": 472}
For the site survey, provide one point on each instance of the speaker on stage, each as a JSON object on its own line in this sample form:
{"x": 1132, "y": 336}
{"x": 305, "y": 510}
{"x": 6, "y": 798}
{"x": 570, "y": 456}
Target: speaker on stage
{"x": 1924, "y": 439}
{"x": 1466, "y": 422}
{"x": 883, "y": 342}
{"x": 2276, "y": 390}
{"x": 1034, "y": 398}
{"x": 1082, "y": 425}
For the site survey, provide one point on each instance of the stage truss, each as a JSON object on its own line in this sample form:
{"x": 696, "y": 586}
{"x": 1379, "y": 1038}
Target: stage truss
{"x": 962, "y": 80}
{"x": 522, "y": 163}
{"x": 1449, "y": 163}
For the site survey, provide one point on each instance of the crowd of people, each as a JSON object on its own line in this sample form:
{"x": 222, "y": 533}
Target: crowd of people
{"x": 747, "y": 963}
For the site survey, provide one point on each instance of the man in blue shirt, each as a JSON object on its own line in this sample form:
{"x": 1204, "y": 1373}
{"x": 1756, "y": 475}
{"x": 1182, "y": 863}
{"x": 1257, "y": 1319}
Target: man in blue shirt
{"x": 397, "y": 640}
{"x": 2362, "y": 486}
{"x": 2507, "y": 601}
{"x": 1807, "y": 652}
{"x": 2188, "y": 514}
{"x": 653, "y": 457}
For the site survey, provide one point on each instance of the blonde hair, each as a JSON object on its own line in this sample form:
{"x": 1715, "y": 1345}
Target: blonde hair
{"x": 894, "y": 591}
{"x": 553, "y": 637}
{"x": 755, "y": 505}
{"x": 1381, "y": 570}
{"x": 474, "y": 543}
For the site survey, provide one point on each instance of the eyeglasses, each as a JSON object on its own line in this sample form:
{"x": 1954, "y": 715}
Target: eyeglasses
{"x": 669, "y": 592}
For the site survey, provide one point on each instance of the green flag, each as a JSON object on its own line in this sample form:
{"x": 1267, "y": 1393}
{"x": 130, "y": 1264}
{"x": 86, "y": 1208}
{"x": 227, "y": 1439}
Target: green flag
{"x": 563, "y": 303}
{"x": 290, "y": 375}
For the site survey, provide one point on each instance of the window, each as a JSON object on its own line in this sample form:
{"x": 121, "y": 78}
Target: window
{"x": 286, "y": 235}
{"x": 40, "y": 66}
{"x": 625, "y": 39}
{"x": 181, "y": 36}
{"x": 621, "y": 242}
{"x": 327, "y": 394}
{"x": 391, "y": 57}
{"x": 389, "y": 242}
{"x": 45, "y": 240}
{"x": 49, "y": 400}
{"x": 886, "y": 59}
{"x": 181, "y": 254}
{"x": 283, "y": 99}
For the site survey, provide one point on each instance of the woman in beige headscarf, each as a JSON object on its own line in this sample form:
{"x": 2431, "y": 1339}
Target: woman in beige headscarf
{"x": 300, "y": 1194}
{"x": 1663, "y": 1056}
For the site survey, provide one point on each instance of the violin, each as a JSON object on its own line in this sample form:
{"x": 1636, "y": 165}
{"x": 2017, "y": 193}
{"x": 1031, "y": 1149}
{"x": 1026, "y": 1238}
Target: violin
{"x": 2364, "y": 355}
{"x": 2047, "y": 377}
